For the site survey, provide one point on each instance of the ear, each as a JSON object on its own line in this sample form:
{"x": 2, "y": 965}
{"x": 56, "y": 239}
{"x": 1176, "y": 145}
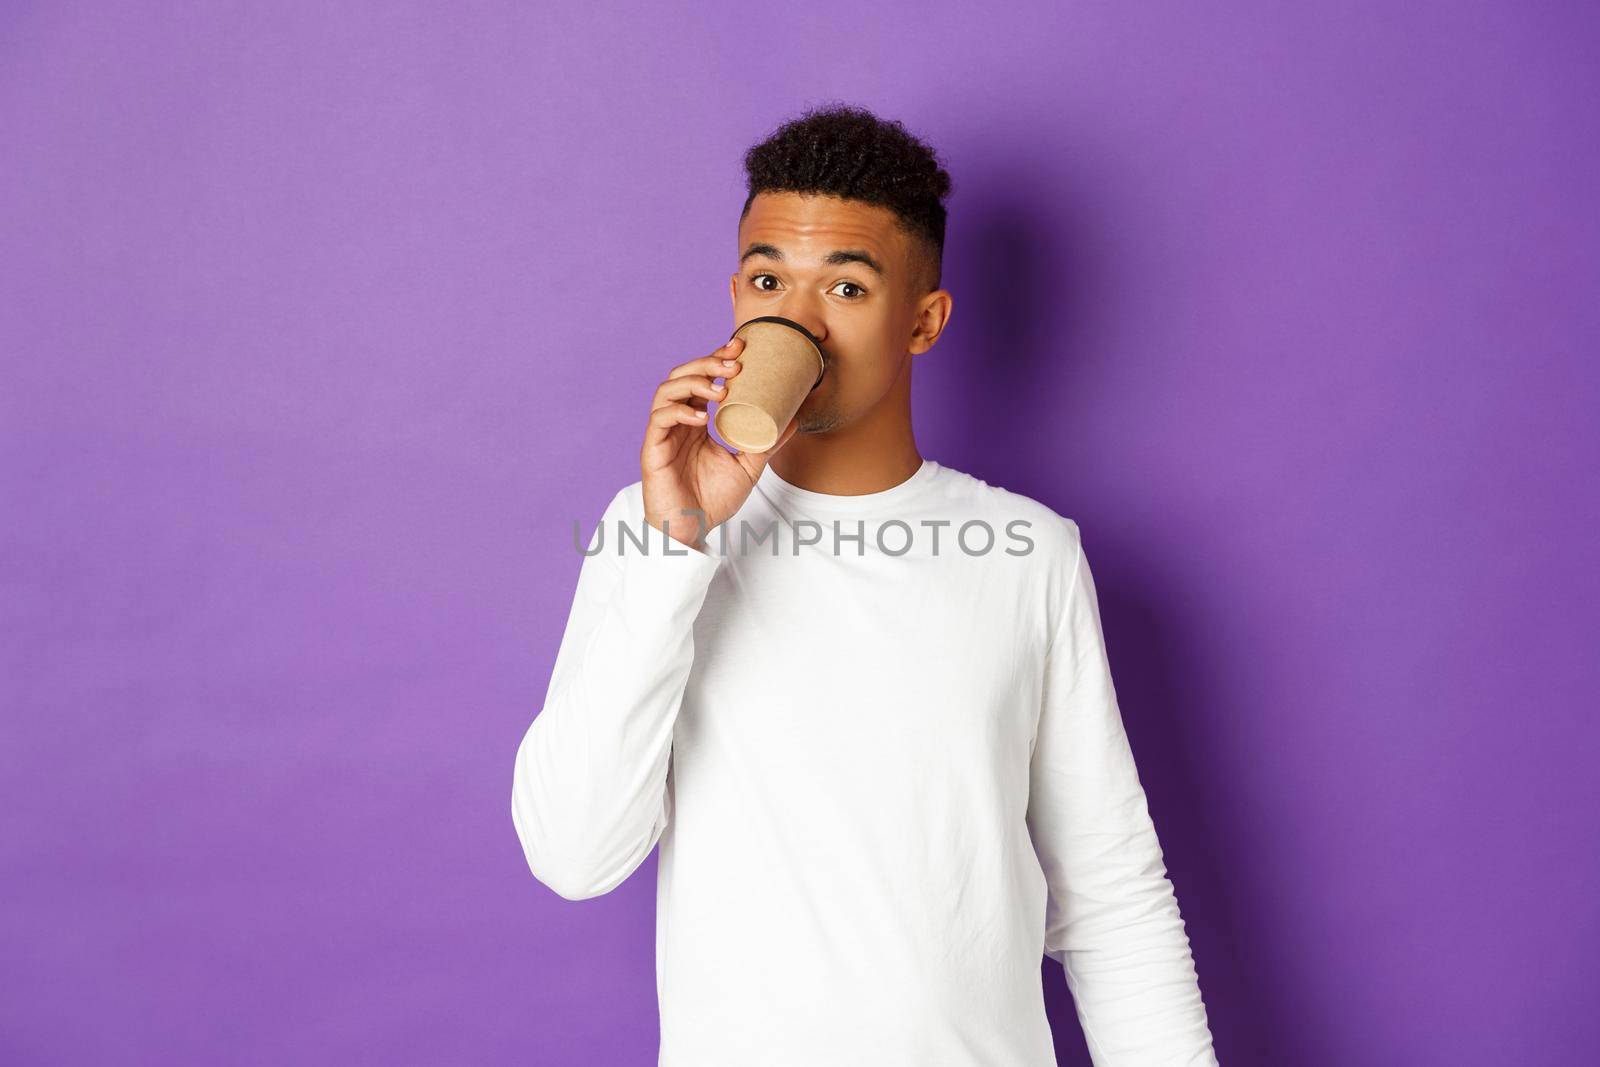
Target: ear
{"x": 733, "y": 289}
{"x": 933, "y": 314}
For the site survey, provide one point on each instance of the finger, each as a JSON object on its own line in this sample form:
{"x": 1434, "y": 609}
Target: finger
{"x": 686, "y": 386}
{"x": 664, "y": 419}
{"x": 721, "y": 363}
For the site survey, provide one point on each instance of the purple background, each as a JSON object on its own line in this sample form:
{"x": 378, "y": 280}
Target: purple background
{"x": 322, "y": 327}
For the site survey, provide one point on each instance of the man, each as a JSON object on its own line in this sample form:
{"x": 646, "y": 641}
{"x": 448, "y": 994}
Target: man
{"x": 881, "y": 749}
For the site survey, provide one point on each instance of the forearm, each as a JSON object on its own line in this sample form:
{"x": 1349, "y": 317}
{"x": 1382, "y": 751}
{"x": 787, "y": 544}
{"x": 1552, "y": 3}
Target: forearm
{"x": 1121, "y": 939}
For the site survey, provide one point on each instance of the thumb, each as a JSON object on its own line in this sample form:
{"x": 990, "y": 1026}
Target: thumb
{"x": 760, "y": 458}
{"x": 788, "y": 432}
{"x": 783, "y": 439}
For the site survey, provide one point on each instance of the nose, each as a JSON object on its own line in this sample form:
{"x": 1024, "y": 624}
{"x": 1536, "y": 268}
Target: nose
{"x": 811, "y": 321}
{"x": 799, "y": 308}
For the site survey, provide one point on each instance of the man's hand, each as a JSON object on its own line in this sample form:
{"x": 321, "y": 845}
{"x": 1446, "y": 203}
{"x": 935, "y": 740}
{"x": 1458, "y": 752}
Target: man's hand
{"x": 691, "y": 483}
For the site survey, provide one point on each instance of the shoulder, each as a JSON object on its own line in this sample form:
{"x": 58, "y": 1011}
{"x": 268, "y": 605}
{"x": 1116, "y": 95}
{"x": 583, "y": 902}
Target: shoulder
{"x": 625, "y": 508}
{"x": 1055, "y": 536}
{"x": 628, "y": 502}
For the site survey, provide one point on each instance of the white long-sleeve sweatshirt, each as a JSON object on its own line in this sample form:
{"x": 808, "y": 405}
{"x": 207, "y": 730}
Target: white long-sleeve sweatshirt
{"x": 878, "y": 741}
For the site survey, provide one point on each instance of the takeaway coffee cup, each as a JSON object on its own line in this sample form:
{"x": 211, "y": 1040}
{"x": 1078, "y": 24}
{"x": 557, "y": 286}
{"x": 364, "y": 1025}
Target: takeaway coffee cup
{"x": 782, "y": 363}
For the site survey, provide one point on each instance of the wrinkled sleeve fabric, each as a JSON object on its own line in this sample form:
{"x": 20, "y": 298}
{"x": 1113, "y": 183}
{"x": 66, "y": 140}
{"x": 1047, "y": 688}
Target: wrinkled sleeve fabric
{"x": 1112, "y": 917}
{"x": 589, "y": 793}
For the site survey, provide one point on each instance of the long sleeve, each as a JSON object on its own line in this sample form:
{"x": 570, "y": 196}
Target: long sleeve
{"x": 589, "y": 797}
{"x": 1112, "y": 918}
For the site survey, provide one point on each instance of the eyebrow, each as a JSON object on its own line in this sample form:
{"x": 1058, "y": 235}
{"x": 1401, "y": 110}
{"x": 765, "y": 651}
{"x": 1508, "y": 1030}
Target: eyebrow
{"x": 848, "y": 255}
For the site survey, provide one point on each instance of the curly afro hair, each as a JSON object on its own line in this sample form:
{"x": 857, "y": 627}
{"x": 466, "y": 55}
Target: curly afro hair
{"x": 844, "y": 151}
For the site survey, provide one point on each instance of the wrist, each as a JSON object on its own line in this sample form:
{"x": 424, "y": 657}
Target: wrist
{"x": 684, "y": 529}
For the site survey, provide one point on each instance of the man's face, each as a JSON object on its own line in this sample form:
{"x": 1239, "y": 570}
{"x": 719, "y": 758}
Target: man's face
{"x": 864, "y": 313}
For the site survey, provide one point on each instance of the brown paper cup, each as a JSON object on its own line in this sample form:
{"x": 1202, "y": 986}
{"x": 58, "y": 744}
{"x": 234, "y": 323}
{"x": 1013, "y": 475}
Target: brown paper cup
{"x": 781, "y": 365}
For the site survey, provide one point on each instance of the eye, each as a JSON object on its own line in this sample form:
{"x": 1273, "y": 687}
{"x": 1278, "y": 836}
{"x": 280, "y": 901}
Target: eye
{"x": 755, "y": 283}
